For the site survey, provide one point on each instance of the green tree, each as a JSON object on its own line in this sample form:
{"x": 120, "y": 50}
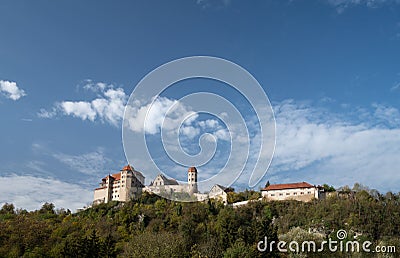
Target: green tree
{"x": 240, "y": 250}
{"x": 8, "y": 208}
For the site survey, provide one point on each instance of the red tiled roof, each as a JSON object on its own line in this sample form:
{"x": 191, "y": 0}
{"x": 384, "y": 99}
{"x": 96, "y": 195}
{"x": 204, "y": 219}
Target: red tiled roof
{"x": 288, "y": 186}
{"x": 116, "y": 176}
{"x": 127, "y": 168}
{"x": 130, "y": 168}
{"x": 192, "y": 169}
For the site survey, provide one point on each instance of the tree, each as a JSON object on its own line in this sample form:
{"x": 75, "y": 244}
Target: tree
{"x": 47, "y": 208}
{"x": 328, "y": 188}
{"x": 161, "y": 244}
{"x": 240, "y": 250}
{"x": 8, "y": 208}
{"x": 155, "y": 227}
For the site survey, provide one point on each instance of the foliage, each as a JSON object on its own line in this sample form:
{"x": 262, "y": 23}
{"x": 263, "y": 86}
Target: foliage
{"x": 156, "y": 227}
{"x": 328, "y": 188}
{"x": 243, "y": 196}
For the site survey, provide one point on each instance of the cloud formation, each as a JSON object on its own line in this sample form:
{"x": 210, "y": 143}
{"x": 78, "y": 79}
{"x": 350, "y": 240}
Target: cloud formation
{"x": 387, "y": 115}
{"x": 325, "y": 147}
{"x": 341, "y": 5}
{"x": 172, "y": 116}
{"x": 396, "y": 86}
{"x": 216, "y": 4}
{"x": 108, "y": 107}
{"x": 94, "y": 163}
{"x": 312, "y": 143}
{"x": 10, "y": 90}
{"x": 30, "y": 192}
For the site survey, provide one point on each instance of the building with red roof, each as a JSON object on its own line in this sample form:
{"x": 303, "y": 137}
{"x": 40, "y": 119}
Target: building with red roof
{"x": 121, "y": 186}
{"x": 301, "y": 191}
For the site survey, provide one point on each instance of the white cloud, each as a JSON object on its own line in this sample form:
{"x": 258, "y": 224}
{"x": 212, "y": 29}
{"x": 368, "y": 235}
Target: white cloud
{"x": 163, "y": 112}
{"x": 325, "y": 147}
{"x": 205, "y": 4}
{"x": 95, "y": 86}
{"x": 43, "y": 113}
{"x": 11, "y": 90}
{"x": 222, "y": 134}
{"x": 209, "y": 123}
{"x": 30, "y": 192}
{"x": 341, "y": 5}
{"x": 93, "y": 163}
{"x": 389, "y": 115}
{"x": 37, "y": 166}
{"x": 396, "y": 86}
{"x": 169, "y": 114}
{"x": 190, "y": 131}
{"x": 107, "y": 107}
{"x": 313, "y": 143}
{"x": 79, "y": 109}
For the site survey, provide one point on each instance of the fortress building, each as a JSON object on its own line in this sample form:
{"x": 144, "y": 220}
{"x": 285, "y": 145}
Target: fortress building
{"x": 219, "y": 192}
{"x": 295, "y": 191}
{"x": 163, "y": 184}
{"x": 122, "y": 186}
{"x": 129, "y": 183}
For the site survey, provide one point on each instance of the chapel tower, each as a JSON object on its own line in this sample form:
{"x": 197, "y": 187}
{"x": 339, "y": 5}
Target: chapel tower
{"x": 192, "y": 180}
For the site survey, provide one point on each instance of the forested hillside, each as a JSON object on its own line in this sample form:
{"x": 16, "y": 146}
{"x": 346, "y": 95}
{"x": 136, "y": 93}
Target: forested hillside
{"x": 155, "y": 227}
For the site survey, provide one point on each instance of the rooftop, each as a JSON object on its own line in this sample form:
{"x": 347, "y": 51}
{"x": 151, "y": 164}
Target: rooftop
{"x": 192, "y": 169}
{"x": 287, "y": 186}
{"x": 167, "y": 181}
{"x": 127, "y": 168}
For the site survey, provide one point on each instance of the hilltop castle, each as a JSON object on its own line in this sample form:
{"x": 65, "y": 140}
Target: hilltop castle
{"x": 130, "y": 183}
{"x": 122, "y": 186}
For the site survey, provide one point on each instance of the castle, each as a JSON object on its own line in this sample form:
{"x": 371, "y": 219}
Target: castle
{"x": 130, "y": 183}
{"x": 163, "y": 184}
{"x": 302, "y": 191}
{"x": 122, "y": 186}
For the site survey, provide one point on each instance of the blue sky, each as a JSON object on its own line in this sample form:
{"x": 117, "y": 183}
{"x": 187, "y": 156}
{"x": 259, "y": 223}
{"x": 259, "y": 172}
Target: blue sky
{"x": 331, "y": 70}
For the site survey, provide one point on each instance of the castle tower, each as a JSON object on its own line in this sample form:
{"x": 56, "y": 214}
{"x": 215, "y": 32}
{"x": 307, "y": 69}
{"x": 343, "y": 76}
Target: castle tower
{"x": 109, "y": 187}
{"x": 192, "y": 180}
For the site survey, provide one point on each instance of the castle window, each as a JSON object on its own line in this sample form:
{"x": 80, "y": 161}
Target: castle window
{"x": 309, "y": 192}
{"x": 280, "y": 194}
{"x": 272, "y": 194}
{"x": 287, "y": 193}
{"x": 294, "y": 193}
{"x": 302, "y": 193}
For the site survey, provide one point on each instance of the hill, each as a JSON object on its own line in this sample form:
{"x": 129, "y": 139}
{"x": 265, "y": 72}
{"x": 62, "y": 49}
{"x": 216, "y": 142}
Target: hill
{"x": 155, "y": 227}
